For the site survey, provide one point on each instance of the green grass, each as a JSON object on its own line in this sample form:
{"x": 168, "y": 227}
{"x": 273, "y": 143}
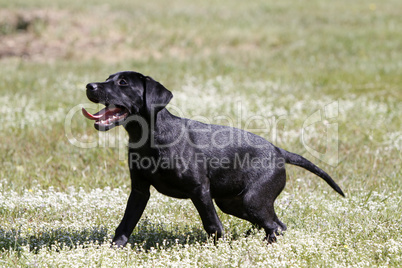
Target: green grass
{"x": 253, "y": 63}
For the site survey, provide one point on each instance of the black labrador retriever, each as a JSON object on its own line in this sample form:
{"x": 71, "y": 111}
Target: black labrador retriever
{"x": 184, "y": 158}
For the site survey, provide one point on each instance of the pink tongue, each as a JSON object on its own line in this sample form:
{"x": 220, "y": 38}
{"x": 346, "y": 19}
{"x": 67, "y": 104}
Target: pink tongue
{"x": 102, "y": 114}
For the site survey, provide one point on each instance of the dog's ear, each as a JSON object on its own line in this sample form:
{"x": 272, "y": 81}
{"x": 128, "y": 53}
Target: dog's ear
{"x": 156, "y": 96}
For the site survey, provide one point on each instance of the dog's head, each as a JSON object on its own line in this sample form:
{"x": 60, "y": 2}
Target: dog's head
{"x": 125, "y": 94}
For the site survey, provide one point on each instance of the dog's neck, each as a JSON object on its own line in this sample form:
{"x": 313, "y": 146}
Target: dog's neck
{"x": 147, "y": 132}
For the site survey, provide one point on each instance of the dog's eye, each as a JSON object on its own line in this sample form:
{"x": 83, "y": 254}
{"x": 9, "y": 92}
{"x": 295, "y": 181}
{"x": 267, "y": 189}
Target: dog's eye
{"x": 122, "y": 82}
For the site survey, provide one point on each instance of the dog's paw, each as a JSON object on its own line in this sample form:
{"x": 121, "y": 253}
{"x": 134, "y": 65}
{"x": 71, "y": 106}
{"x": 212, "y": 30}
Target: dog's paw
{"x": 280, "y": 232}
{"x": 271, "y": 238}
{"x": 119, "y": 242}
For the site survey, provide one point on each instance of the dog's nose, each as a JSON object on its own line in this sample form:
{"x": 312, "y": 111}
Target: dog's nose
{"x": 92, "y": 86}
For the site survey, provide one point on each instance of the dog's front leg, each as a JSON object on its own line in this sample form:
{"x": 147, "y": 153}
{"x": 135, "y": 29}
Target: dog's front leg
{"x": 135, "y": 207}
{"x": 203, "y": 202}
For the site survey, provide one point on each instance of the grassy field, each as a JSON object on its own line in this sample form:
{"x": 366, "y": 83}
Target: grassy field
{"x": 269, "y": 67}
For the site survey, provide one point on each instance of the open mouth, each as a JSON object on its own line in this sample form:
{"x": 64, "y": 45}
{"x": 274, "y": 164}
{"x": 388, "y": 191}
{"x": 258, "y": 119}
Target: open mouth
{"x": 108, "y": 117}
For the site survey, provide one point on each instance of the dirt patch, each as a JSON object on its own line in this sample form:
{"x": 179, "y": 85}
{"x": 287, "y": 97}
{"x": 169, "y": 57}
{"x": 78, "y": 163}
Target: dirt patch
{"x": 43, "y": 35}
{"x": 111, "y": 36}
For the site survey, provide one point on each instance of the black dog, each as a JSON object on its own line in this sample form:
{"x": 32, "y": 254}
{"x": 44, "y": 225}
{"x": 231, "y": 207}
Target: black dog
{"x": 184, "y": 158}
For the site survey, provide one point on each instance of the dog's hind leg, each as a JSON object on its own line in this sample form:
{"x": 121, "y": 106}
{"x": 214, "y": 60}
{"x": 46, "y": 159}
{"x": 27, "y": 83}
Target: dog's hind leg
{"x": 261, "y": 215}
{"x": 281, "y": 224}
{"x": 259, "y": 200}
{"x": 267, "y": 218}
{"x": 235, "y": 207}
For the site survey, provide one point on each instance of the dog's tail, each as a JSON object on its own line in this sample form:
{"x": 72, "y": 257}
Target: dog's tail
{"x": 300, "y": 161}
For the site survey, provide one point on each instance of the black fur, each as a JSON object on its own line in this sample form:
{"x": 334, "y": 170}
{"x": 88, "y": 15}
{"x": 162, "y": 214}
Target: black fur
{"x": 184, "y": 158}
